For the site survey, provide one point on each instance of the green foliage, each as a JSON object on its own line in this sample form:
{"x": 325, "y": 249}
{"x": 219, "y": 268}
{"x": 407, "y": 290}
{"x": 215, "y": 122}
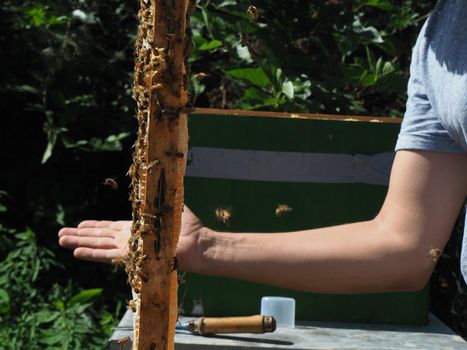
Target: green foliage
{"x": 53, "y": 66}
{"x": 36, "y": 313}
{"x": 317, "y": 56}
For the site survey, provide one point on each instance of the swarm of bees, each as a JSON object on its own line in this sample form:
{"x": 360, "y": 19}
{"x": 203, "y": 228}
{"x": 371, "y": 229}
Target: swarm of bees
{"x": 282, "y": 209}
{"x": 223, "y": 215}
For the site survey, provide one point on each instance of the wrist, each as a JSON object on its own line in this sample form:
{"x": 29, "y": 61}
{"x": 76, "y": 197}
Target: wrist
{"x": 214, "y": 251}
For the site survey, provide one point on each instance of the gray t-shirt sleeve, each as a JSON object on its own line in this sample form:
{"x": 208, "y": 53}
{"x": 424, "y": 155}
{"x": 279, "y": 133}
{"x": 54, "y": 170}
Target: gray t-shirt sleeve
{"x": 422, "y": 128}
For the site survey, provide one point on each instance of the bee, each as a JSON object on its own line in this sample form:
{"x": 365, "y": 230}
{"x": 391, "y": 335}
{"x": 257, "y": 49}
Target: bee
{"x": 181, "y": 278}
{"x": 131, "y": 305}
{"x": 175, "y": 264}
{"x": 253, "y": 11}
{"x": 123, "y": 341}
{"x": 118, "y": 261}
{"x": 144, "y": 277}
{"x": 111, "y": 183}
{"x": 158, "y": 86}
{"x": 223, "y": 215}
{"x": 137, "y": 288}
{"x": 132, "y": 171}
{"x": 200, "y": 76}
{"x": 282, "y": 209}
{"x": 143, "y": 259}
{"x": 435, "y": 254}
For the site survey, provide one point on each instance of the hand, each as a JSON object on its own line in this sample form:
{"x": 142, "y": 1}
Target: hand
{"x": 103, "y": 241}
{"x": 188, "y": 241}
{"x": 99, "y": 241}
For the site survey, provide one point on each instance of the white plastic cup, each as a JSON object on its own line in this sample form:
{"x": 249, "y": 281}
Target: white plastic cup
{"x": 282, "y": 309}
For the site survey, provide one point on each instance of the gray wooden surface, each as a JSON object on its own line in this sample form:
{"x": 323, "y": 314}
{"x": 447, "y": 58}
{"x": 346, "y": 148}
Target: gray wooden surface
{"x": 315, "y": 336}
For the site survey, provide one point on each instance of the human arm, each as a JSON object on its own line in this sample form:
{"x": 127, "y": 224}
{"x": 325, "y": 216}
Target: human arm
{"x": 389, "y": 253}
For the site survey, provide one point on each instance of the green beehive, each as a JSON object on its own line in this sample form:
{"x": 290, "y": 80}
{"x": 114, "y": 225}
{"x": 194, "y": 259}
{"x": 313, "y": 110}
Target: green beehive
{"x": 327, "y": 170}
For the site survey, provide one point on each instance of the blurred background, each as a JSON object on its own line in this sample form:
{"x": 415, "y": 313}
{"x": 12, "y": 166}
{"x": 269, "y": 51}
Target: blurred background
{"x": 68, "y": 124}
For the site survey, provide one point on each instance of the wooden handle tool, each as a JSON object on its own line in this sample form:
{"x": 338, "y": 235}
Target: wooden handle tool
{"x": 222, "y": 325}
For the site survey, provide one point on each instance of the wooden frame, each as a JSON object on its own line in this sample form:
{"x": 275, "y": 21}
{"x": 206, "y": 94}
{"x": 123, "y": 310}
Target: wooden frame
{"x": 160, "y": 90}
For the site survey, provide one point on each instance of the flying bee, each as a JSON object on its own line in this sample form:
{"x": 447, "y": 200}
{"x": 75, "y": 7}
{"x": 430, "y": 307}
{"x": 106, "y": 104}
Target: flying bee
{"x": 223, "y": 215}
{"x": 111, "y": 182}
{"x": 200, "y": 76}
{"x": 253, "y": 11}
{"x": 282, "y": 209}
{"x": 123, "y": 341}
{"x": 131, "y": 305}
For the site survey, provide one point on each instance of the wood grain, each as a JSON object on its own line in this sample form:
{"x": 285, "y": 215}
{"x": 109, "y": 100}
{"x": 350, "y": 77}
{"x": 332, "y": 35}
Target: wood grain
{"x": 160, "y": 89}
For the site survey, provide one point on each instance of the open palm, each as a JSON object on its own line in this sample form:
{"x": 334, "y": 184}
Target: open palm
{"x": 103, "y": 241}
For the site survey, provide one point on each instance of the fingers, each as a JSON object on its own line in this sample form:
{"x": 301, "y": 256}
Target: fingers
{"x": 91, "y": 232}
{"x": 96, "y": 240}
{"x": 72, "y": 242}
{"x": 98, "y": 255}
{"x": 96, "y": 224}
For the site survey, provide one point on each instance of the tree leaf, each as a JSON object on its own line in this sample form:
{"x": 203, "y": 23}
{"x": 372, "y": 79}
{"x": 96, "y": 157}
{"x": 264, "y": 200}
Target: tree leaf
{"x": 46, "y": 316}
{"x": 27, "y": 89}
{"x": 381, "y": 4}
{"x": 49, "y": 149}
{"x": 52, "y": 337}
{"x": 288, "y": 89}
{"x": 244, "y": 53}
{"x": 85, "y": 296}
{"x": 369, "y": 34}
{"x": 388, "y": 68}
{"x": 213, "y": 44}
{"x": 256, "y": 76}
{"x": 4, "y": 301}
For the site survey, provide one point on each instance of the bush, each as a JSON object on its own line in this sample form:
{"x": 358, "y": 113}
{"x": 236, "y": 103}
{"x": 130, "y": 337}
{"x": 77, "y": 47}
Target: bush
{"x": 35, "y": 311}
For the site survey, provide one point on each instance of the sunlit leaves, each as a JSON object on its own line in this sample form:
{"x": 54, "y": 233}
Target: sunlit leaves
{"x": 57, "y": 318}
{"x": 84, "y": 296}
{"x": 255, "y": 76}
{"x": 40, "y": 16}
{"x": 207, "y": 46}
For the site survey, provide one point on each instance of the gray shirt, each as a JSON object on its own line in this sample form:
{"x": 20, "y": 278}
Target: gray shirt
{"x": 436, "y": 113}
